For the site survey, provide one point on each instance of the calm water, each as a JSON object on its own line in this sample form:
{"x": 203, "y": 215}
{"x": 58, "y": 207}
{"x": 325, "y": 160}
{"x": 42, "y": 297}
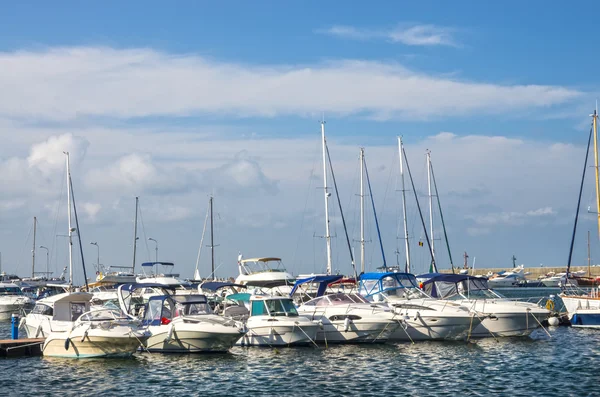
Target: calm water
{"x": 565, "y": 364}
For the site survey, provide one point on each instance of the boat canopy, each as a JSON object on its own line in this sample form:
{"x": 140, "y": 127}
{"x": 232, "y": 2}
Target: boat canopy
{"x": 146, "y": 264}
{"x": 447, "y": 285}
{"x": 132, "y": 287}
{"x": 375, "y": 283}
{"x": 268, "y": 259}
{"x": 323, "y": 282}
{"x": 216, "y": 285}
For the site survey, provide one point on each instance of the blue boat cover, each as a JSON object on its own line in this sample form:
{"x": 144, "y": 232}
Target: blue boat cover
{"x": 323, "y": 282}
{"x": 215, "y": 285}
{"x": 375, "y": 283}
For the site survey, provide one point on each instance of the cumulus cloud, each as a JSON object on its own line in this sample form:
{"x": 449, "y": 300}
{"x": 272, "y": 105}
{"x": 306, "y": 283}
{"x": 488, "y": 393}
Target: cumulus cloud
{"x": 49, "y": 156}
{"x": 72, "y": 82}
{"x": 412, "y": 35}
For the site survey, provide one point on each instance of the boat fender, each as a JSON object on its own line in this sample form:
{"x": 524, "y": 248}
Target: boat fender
{"x": 169, "y": 333}
{"x": 418, "y": 315}
{"x": 67, "y": 343}
{"x": 553, "y": 321}
{"x": 22, "y": 322}
{"x": 347, "y": 323}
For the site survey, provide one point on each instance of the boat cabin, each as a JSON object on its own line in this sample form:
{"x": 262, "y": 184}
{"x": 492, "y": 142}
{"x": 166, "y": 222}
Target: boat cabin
{"x": 64, "y": 307}
{"x": 459, "y": 286}
{"x": 260, "y": 265}
{"x": 163, "y": 309}
{"x": 272, "y": 306}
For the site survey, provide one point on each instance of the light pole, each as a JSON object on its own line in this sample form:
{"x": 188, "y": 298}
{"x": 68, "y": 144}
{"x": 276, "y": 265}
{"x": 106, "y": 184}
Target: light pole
{"x": 98, "y": 257}
{"x": 47, "y": 259}
{"x": 156, "y": 249}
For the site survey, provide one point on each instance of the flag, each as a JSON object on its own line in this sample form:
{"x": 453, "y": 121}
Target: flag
{"x": 420, "y": 243}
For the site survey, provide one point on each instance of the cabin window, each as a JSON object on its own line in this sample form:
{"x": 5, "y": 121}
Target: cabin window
{"x": 77, "y": 309}
{"x": 42, "y": 309}
{"x": 281, "y": 307}
{"x": 258, "y": 308}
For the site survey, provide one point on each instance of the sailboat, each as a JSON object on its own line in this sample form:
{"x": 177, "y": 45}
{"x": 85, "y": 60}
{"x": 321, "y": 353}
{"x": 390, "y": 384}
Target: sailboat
{"x": 583, "y": 307}
{"x": 69, "y": 324}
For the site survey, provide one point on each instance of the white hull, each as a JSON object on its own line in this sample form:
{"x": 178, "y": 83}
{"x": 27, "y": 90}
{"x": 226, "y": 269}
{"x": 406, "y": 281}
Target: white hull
{"x": 14, "y": 304}
{"x": 185, "y": 337}
{"x": 280, "y": 335}
{"x": 443, "y": 327}
{"x": 574, "y": 303}
{"x": 90, "y": 345}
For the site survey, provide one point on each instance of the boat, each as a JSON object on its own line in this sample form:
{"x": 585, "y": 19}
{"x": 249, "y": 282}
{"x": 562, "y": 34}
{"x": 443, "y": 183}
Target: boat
{"x": 345, "y": 317}
{"x": 180, "y": 323}
{"x": 558, "y": 280}
{"x": 274, "y": 321}
{"x": 13, "y": 301}
{"x": 501, "y": 316}
{"x": 508, "y": 278}
{"x": 583, "y": 306}
{"x": 72, "y": 329}
{"x": 426, "y": 318}
{"x": 267, "y": 272}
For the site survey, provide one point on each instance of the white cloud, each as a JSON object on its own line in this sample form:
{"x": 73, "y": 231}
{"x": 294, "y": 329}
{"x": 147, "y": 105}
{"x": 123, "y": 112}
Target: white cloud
{"x": 541, "y": 212}
{"x": 413, "y": 35}
{"x": 76, "y": 82}
{"x": 91, "y": 210}
{"x": 49, "y": 156}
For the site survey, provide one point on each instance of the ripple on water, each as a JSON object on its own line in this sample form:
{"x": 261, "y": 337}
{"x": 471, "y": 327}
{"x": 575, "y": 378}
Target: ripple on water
{"x": 564, "y": 364}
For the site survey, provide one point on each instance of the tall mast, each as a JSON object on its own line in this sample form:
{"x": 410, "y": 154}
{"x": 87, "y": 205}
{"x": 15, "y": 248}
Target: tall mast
{"x": 407, "y": 269}
{"x": 589, "y": 256}
{"x": 33, "y": 250}
{"x": 69, "y": 220}
{"x": 327, "y": 194}
{"x": 430, "y": 202}
{"x": 212, "y": 242}
{"x": 362, "y": 211}
{"x": 595, "y": 127}
{"x": 135, "y": 222}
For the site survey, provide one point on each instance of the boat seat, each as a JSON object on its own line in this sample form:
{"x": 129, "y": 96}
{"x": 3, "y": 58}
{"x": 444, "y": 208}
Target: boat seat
{"x": 235, "y": 311}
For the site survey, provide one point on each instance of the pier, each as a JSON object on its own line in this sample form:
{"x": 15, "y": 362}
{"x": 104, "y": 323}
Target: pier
{"x": 21, "y": 347}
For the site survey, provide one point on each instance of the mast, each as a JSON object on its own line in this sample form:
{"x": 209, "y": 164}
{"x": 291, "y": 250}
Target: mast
{"x": 212, "y": 243}
{"x": 407, "y": 267}
{"x": 327, "y": 195}
{"x": 69, "y": 221}
{"x": 589, "y": 256}
{"x": 595, "y": 127}
{"x": 33, "y": 250}
{"x": 362, "y": 211}
{"x": 430, "y": 202}
{"x": 514, "y": 260}
{"x": 135, "y": 237}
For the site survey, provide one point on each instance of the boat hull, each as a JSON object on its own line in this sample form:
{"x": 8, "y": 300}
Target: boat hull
{"x": 422, "y": 327}
{"x": 509, "y": 324}
{"x": 280, "y": 335}
{"x": 188, "y": 340}
{"x": 90, "y": 346}
{"x": 586, "y": 318}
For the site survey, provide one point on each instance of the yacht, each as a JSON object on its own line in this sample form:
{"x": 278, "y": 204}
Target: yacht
{"x": 509, "y": 278}
{"x": 13, "y": 300}
{"x": 263, "y": 272}
{"x": 425, "y": 318}
{"x": 558, "y": 280}
{"x": 502, "y": 317}
{"x": 181, "y": 323}
{"x": 274, "y": 321}
{"x": 345, "y": 317}
{"x": 73, "y": 330}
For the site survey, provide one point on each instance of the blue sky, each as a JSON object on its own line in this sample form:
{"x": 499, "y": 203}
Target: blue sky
{"x": 171, "y": 102}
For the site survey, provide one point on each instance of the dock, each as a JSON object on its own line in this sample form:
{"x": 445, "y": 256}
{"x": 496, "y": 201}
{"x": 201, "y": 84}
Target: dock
{"x": 21, "y": 347}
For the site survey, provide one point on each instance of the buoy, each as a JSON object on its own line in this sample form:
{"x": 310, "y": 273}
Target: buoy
{"x": 553, "y": 321}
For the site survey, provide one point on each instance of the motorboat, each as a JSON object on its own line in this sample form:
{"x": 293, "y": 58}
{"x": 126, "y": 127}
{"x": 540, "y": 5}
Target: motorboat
{"x": 72, "y": 329}
{"x": 508, "y": 278}
{"x": 166, "y": 278}
{"x": 582, "y": 306}
{"x": 558, "y": 280}
{"x": 425, "y": 318}
{"x": 181, "y": 323}
{"x": 13, "y": 300}
{"x": 274, "y": 321}
{"x": 502, "y": 317}
{"x": 345, "y": 317}
{"x": 266, "y": 272}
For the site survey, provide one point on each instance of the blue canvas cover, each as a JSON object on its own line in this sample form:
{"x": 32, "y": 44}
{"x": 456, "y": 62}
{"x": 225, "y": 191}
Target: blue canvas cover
{"x": 323, "y": 282}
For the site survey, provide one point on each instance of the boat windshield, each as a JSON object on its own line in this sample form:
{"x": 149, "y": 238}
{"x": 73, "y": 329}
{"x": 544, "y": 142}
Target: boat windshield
{"x": 251, "y": 266}
{"x": 274, "y": 307}
{"x": 394, "y": 285}
{"x": 102, "y": 315}
{"x": 192, "y": 309}
{"x": 472, "y": 288}
{"x": 336, "y": 299}
{"x": 10, "y": 291}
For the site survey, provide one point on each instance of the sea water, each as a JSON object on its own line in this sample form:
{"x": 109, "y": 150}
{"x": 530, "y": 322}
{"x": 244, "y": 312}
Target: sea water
{"x": 564, "y": 364}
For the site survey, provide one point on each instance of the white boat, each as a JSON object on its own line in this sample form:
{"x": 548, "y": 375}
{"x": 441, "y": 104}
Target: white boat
{"x": 424, "y": 318}
{"x": 274, "y": 321}
{"x": 509, "y": 278}
{"x": 346, "y": 317}
{"x": 265, "y": 272}
{"x": 71, "y": 329}
{"x": 558, "y": 280}
{"x": 13, "y": 301}
{"x": 502, "y": 317}
{"x": 182, "y": 323}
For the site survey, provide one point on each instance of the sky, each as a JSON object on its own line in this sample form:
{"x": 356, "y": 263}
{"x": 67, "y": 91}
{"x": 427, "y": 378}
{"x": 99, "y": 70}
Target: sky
{"x": 173, "y": 103}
